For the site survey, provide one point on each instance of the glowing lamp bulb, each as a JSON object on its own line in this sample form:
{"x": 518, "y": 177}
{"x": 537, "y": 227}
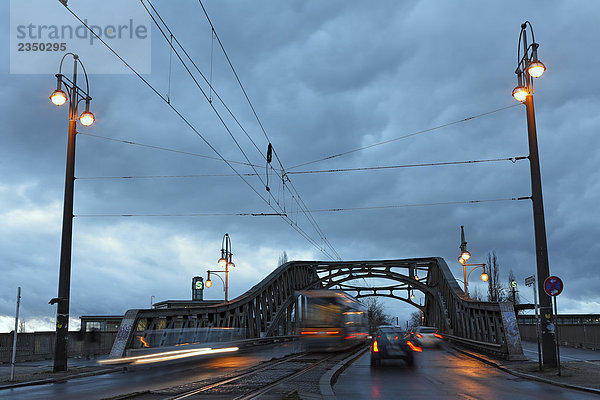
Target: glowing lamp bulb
{"x": 222, "y": 262}
{"x": 58, "y": 97}
{"x": 86, "y": 118}
{"x": 484, "y": 277}
{"x": 412, "y": 295}
{"x": 230, "y": 265}
{"x": 536, "y": 69}
{"x": 465, "y": 255}
{"x": 520, "y": 93}
{"x": 208, "y": 283}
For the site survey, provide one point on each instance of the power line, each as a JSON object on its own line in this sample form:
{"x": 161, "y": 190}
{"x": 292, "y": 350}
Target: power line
{"x": 444, "y": 203}
{"x": 207, "y": 81}
{"x": 433, "y": 164}
{"x": 378, "y": 168}
{"x": 97, "y": 178}
{"x": 130, "y": 142}
{"x": 234, "y": 71}
{"x": 327, "y": 210}
{"x": 184, "y": 215}
{"x": 194, "y": 78}
{"x": 406, "y": 136}
{"x": 299, "y": 199}
{"x": 213, "y": 107}
{"x": 176, "y": 111}
{"x": 283, "y": 177}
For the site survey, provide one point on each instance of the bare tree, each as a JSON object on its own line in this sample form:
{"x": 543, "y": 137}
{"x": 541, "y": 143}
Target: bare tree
{"x": 477, "y": 295}
{"x": 494, "y": 287}
{"x": 376, "y": 313}
{"x": 22, "y": 326}
{"x": 415, "y": 319}
{"x": 283, "y": 258}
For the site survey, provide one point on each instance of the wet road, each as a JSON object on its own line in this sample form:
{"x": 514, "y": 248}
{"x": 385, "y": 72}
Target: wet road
{"x": 443, "y": 374}
{"x": 149, "y": 377}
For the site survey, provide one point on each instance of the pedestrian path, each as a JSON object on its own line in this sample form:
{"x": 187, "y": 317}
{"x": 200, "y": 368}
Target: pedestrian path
{"x": 40, "y": 372}
{"x": 566, "y": 353}
{"x": 580, "y": 368}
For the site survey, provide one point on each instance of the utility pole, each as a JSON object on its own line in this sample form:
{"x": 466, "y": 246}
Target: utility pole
{"x": 14, "y": 349}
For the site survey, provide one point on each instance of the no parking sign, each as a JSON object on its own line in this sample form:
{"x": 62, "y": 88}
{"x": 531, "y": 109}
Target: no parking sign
{"x": 553, "y": 286}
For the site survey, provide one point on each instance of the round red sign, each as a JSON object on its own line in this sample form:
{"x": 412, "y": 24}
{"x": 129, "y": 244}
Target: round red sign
{"x": 553, "y": 286}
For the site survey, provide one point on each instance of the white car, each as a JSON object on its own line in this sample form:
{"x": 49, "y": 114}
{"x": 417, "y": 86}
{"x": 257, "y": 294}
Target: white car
{"x": 428, "y": 336}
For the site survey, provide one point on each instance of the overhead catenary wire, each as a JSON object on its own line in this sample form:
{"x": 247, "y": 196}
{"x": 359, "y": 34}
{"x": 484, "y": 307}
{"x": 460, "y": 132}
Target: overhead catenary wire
{"x": 256, "y": 214}
{"x": 186, "y": 121}
{"x": 204, "y": 78}
{"x": 357, "y": 169}
{"x": 325, "y": 210}
{"x": 309, "y": 217}
{"x": 206, "y": 96}
{"x": 406, "y": 136}
{"x": 187, "y": 153}
{"x": 442, "y": 203}
{"x": 283, "y": 176}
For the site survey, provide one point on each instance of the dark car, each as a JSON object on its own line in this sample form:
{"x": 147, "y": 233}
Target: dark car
{"x": 392, "y": 343}
{"x": 427, "y": 336}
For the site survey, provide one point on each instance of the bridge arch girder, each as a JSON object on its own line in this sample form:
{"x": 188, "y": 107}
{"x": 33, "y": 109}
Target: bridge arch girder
{"x": 391, "y": 296}
{"x": 330, "y": 281}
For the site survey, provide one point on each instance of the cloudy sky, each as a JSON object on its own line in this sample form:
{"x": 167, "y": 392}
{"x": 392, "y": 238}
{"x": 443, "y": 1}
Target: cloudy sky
{"x": 324, "y": 78}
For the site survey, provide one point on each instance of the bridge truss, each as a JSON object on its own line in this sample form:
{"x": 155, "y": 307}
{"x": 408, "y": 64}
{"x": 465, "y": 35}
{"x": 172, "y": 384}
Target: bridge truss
{"x": 270, "y": 308}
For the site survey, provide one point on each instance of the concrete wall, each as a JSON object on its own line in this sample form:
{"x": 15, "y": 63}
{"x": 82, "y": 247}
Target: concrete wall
{"x": 40, "y": 345}
{"x": 585, "y": 336}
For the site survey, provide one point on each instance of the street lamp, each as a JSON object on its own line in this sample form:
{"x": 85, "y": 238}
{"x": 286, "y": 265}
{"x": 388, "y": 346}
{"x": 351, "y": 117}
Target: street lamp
{"x": 225, "y": 262}
{"x": 464, "y": 254}
{"x": 463, "y": 257}
{"x": 74, "y": 94}
{"x": 529, "y": 66}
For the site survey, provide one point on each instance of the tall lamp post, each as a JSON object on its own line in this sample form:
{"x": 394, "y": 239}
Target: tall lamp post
{"x": 463, "y": 257}
{"x": 74, "y": 94}
{"x": 529, "y": 66}
{"x": 225, "y": 262}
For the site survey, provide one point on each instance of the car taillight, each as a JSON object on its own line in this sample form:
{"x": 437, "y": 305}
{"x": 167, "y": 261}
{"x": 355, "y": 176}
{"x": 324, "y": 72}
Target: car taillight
{"x": 437, "y": 335}
{"x": 419, "y": 336}
{"x": 413, "y": 347}
{"x": 375, "y": 347}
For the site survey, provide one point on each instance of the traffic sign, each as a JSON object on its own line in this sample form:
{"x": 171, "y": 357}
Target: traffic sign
{"x": 553, "y": 286}
{"x": 530, "y": 280}
{"x": 513, "y": 284}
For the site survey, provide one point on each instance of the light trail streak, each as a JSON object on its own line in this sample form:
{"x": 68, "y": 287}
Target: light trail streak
{"x": 167, "y": 356}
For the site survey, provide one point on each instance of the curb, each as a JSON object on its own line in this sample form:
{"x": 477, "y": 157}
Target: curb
{"x": 524, "y": 375}
{"x": 61, "y": 379}
{"x": 327, "y": 380}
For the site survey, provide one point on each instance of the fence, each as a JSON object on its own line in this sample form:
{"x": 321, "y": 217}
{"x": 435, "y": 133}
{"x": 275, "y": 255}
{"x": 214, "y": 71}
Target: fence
{"x": 585, "y": 336}
{"x": 40, "y": 345}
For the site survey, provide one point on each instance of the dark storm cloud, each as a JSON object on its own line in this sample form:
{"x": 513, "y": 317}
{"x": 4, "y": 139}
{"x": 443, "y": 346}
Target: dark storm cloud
{"x": 325, "y": 78}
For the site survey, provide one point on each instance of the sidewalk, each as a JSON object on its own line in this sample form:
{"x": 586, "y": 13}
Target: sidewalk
{"x": 40, "y": 372}
{"x": 579, "y": 370}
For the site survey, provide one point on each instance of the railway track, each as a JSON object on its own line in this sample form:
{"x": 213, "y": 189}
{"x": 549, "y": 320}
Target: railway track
{"x": 269, "y": 380}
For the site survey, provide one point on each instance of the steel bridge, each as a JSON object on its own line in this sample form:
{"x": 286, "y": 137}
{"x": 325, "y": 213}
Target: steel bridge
{"x": 269, "y": 309}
